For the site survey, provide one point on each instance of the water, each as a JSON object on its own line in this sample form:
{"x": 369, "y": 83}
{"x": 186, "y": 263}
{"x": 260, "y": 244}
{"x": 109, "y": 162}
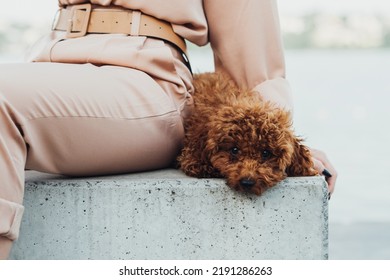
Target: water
{"x": 342, "y": 101}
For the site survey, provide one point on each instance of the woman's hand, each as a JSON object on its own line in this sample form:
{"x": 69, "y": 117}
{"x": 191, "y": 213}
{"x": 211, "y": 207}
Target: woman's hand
{"x": 323, "y": 166}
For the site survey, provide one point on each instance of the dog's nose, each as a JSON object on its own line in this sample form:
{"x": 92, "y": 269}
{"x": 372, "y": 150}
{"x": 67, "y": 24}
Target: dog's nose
{"x": 247, "y": 183}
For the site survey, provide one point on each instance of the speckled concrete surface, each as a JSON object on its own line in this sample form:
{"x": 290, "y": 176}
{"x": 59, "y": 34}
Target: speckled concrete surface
{"x": 166, "y": 215}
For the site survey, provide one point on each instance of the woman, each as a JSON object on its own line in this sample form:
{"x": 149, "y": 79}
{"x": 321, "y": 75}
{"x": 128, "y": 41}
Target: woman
{"x": 110, "y": 86}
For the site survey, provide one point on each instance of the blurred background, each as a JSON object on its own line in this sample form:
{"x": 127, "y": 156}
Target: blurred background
{"x": 338, "y": 64}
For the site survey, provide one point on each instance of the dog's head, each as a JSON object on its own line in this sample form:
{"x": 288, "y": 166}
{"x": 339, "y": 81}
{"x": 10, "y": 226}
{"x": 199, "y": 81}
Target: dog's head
{"x": 253, "y": 147}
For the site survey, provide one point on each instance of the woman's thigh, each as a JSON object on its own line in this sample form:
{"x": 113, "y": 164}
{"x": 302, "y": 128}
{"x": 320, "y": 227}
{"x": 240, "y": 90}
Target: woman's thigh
{"x": 88, "y": 120}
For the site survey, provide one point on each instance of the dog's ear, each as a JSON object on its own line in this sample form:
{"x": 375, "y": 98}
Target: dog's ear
{"x": 301, "y": 163}
{"x": 194, "y": 159}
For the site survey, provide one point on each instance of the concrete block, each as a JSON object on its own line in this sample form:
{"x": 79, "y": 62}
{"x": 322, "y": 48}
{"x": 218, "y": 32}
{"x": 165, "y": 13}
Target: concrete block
{"x": 167, "y": 215}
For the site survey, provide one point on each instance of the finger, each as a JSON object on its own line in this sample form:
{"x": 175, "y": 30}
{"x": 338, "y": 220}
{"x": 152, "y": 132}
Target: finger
{"x": 332, "y": 182}
{"x": 320, "y": 167}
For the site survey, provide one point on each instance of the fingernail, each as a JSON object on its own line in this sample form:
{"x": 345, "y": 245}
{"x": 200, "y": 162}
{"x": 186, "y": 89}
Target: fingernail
{"x": 326, "y": 173}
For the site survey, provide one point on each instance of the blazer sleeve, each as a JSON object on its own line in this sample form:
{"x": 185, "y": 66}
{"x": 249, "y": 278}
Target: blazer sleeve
{"x": 246, "y": 41}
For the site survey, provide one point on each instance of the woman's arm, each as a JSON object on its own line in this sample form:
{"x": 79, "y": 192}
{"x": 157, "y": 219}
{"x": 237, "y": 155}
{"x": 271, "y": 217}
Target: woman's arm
{"x": 246, "y": 41}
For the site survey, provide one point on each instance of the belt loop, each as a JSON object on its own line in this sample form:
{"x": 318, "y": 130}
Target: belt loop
{"x": 135, "y": 22}
{"x": 56, "y": 19}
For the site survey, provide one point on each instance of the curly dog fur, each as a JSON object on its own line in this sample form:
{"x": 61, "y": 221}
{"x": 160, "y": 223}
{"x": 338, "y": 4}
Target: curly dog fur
{"x": 233, "y": 134}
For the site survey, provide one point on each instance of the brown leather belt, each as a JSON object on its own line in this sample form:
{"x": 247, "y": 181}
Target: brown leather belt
{"x": 79, "y": 20}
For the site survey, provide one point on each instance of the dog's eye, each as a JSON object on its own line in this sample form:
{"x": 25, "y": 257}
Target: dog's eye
{"x": 234, "y": 151}
{"x": 265, "y": 154}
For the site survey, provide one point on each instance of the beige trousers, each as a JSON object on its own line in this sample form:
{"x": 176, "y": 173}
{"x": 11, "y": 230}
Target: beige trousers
{"x": 81, "y": 119}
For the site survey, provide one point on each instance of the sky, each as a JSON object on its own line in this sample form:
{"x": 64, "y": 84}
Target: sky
{"x": 44, "y": 10}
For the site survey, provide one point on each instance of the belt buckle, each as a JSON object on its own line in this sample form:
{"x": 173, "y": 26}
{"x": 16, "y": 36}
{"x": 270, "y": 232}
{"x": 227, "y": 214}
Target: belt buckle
{"x": 75, "y": 34}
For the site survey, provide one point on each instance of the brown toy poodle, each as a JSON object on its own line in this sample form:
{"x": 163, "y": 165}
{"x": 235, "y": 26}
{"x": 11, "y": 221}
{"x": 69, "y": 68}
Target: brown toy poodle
{"x": 233, "y": 134}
